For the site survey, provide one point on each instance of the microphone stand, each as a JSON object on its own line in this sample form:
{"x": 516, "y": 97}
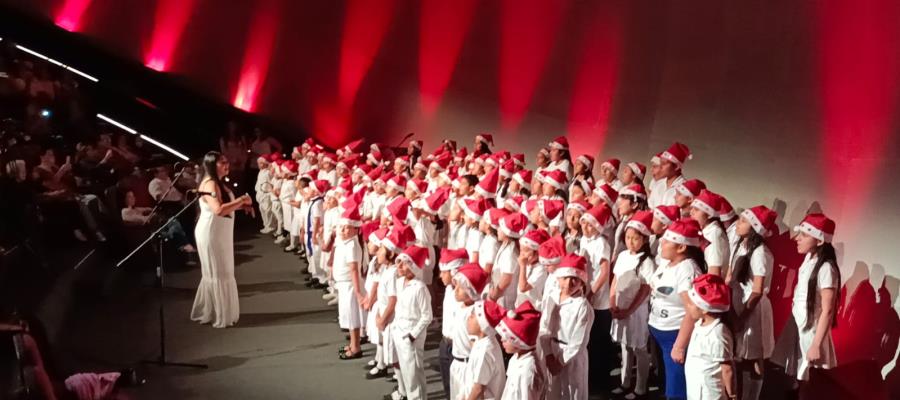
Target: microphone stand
{"x": 160, "y": 280}
{"x": 163, "y": 197}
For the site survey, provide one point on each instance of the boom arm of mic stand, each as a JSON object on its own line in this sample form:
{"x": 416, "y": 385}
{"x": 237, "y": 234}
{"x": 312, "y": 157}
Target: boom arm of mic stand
{"x": 156, "y": 232}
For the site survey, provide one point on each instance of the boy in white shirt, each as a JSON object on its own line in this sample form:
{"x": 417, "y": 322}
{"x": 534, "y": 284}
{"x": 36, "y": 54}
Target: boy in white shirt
{"x": 313, "y": 227}
{"x": 532, "y": 274}
{"x": 596, "y": 250}
{"x": 263, "y": 189}
{"x": 275, "y": 200}
{"x": 451, "y": 261}
{"x": 468, "y": 282}
{"x": 525, "y": 378}
{"x": 485, "y": 373}
{"x": 709, "y": 374}
{"x": 286, "y": 195}
{"x": 411, "y": 319}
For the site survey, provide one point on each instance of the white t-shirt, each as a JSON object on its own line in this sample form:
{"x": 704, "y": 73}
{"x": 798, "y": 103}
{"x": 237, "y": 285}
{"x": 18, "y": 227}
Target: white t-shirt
{"x": 473, "y": 242}
{"x": 669, "y": 281}
{"x": 485, "y": 367}
{"x": 158, "y": 187}
{"x": 657, "y": 191}
{"x": 524, "y": 379}
{"x": 449, "y": 310}
{"x": 487, "y": 250}
{"x": 595, "y": 250}
{"x": 664, "y": 194}
{"x": 506, "y": 262}
{"x": 717, "y": 252}
{"x": 710, "y": 346}
{"x": 262, "y": 181}
{"x": 330, "y": 176}
{"x": 761, "y": 264}
{"x": 345, "y": 252}
{"x": 462, "y": 346}
{"x": 536, "y": 275}
{"x": 826, "y": 280}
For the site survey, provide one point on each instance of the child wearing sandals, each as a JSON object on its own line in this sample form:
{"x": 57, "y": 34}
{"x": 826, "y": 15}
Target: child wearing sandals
{"x": 629, "y": 302}
{"x": 347, "y": 263}
{"x": 411, "y": 319}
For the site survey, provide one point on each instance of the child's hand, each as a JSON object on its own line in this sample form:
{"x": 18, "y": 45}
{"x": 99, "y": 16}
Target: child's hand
{"x": 553, "y": 365}
{"x": 813, "y": 355}
{"x": 678, "y": 355}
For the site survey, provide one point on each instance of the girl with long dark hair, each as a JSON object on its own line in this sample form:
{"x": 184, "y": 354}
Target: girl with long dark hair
{"x": 815, "y": 296}
{"x": 217, "y": 296}
{"x": 704, "y": 209}
{"x": 750, "y": 277}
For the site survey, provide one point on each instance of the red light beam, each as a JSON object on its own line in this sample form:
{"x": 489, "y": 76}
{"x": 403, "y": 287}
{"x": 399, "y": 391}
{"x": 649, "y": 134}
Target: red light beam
{"x": 171, "y": 18}
{"x": 257, "y": 55}
{"x": 442, "y": 31}
{"x": 365, "y": 26}
{"x": 69, "y": 15}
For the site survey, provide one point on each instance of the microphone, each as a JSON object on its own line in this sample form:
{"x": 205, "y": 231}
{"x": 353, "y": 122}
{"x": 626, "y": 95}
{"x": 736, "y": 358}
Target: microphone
{"x": 201, "y": 193}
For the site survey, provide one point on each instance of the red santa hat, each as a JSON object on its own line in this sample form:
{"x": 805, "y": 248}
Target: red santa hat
{"x": 377, "y": 234}
{"x": 487, "y": 186}
{"x": 398, "y": 183}
{"x": 308, "y": 143}
{"x": 385, "y": 177}
{"x": 586, "y": 186}
{"x": 310, "y": 174}
{"x": 599, "y": 216}
{"x": 572, "y": 265}
{"x": 551, "y": 209}
{"x": 329, "y": 157}
{"x": 436, "y": 202}
{"x": 587, "y": 160}
{"x": 677, "y": 154}
{"x": 690, "y": 188}
{"x": 442, "y": 162}
{"x": 556, "y": 178}
{"x": 514, "y": 202}
{"x": 485, "y": 138}
{"x": 581, "y": 206}
{"x": 275, "y": 156}
{"x": 348, "y": 162}
{"x": 560, "y": 143}
{"x": 474, "y": 208}
{"x": 263, "y": 158}
{"x": 710, "y": 293}
{"x": 417, "y": 185}
{"x": 762, "y": 220}
{"x": 552, "y": 251}
{"x": 416, "y": 257}
{"x": 320, "y": 186}
{"x": 533, "y": 239}
{"x": 351, "y": 217}
{"x": 612, "y": 163}
{"x": 289, "y": 167}
{"x": 519, "y": 160}
{"x": 462, "y": 153}
{"x": 472, "y": 278}
{"x": 453, "y": 259}
{"x": 416, "y": 144}
{"x": 398, "y": 209}
{"x": 641, "y": 221}
{"x": 726, "y": 211}
{"x": 521, "y": 327}
{"x": 638, "y": 169}
{"x": 507, "y": 169}
{"x": 404, "y": 161}
{"x": 607, "y": 194}
{"x": 708, "y": 202}
{"x": 685, "y": 231}
{"x": 494, "y": 159}
{"x": 493, "y": 216}
{"x": 545, "y": 151}
{"x": 488, "y": 314}
{"x": 375, "y": 173}
{"x": 513, "y": 225}
{"x": 667, "y": 214}
{"x": 634, "y": 190}
{"x": 655, "y": 160}
{"x": 399, "y": 238}
{"x": 420, "y": 164}
{"x": 818, "y": 226}
{"x": 523, "y": 177}
{"x": 362, "y": 169}
{"x": 375, "y": 157}
{"x": 355, "y": 146}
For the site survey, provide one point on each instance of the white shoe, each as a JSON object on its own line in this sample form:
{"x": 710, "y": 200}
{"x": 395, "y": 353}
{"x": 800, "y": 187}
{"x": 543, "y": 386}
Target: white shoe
{"x": 266, "y": 230}
{"x": 329, "y": 296}
{"x": 332, "y": 301}
{"x": 372, "y": 363}
{"x": 290, "y": 248}
{"x": 396, "y": 395}
{"x": 280, "y": 239}
{"x": 79, "y": 235}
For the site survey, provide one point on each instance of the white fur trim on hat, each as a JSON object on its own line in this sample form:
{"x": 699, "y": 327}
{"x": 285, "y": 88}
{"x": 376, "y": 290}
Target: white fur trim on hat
{"x": 696, "y": 203}
{"x": 452, "y": 265}
{"x": 563, "y": 272}
{"x": 681, "y": 239}
{"x": 506, "y": 231}
{"x": 461, "y": 280}
{"x": 643, "y": 229}
{"x": 662, "y": 217}
{"x": 531, "y": 244}
{"x": 755, "y": 223}
{"x": 810, "y": 230}
{"x": 508, "y": 335}
{"x": 703, "y": 304}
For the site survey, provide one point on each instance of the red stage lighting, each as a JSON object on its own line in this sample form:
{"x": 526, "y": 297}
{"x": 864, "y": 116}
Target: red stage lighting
{"x": 595, "y": 80}
{"x": 527, "y": 34}
{"x": 69, "y": 16}
{"x": 442, "y": 29}
{"x": 171, "y": 18}
{"x": 365, "y": 25}
{"x": 257, "y": 55}
{"x": 858, "y": 68}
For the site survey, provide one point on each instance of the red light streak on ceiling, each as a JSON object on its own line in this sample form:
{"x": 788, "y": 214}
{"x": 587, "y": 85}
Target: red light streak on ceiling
{"x": 69, "y": 16}
{"x": 365, "y": 24}
{"x": 527, "y": 34}
{"x": 858, "y": 68}
{"x": 442, "y": 30}
{"x": 257, "y": 54}
{"x": 171, "y": 18}
{"x": 595, "y": 81}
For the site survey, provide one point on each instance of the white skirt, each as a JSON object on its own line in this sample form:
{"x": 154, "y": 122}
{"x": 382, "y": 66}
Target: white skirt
{"x": 756, "y": 339}
{"x": 348, "y": 307}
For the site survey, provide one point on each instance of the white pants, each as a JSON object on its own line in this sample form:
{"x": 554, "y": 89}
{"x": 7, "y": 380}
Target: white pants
{"x": 348, "y": 308}
{"x": 312, "y": 258}
{"x": 457, "y": 375}
{"x": 265, "y": 210}
{"x": 630, "y": 357}
{"x": 277, "y": 215}
{"x": 321, "y": 270}
{"x": 572, "y": 381}
{"x": 411, "y": 357}
{"x": 287, "y": 217}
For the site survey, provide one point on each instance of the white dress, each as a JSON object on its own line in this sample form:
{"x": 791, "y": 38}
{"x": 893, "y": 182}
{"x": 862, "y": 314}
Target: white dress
{"x": 632, "y": 331}
{"x": 217, "y": 295}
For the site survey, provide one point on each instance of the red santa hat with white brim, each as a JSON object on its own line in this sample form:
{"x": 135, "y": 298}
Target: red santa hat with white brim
{"x": 521, "y": 326}
{"x": 707, "y": 202}
{"x": 638, "y": 169}
{"x": 399, "y": 238}
{"x": 587, "y": 160}
{"x": 612, "y": 163}
{"x": 677, "y": 154}
{"x": 416, "y": 257}
{"x": 523, "y": 178}
{"x": 485, "y": 138}
{"x": 513, "y": 225}
{"x": 453, "y": 259}
{"x": 559, "y": 143}
{"x": 351, "y": 217}
{"x": 641, "y": 221}
{"x": 556, "y": 178}
{"x": 533, "y": 239}
{"x": 634, "y": 190}
{"x": 599, "y": 216}
{"x": 552, "y": 251}
{"x": 690, "y": 188}
{"x": 472, "y": 278}
{"x": 572, "y": 265}
{"x": 685, "y": 231}
{"x": 607, "y": 194}
{"x": 762, "y": 220}
{"x": 667, "y": 214}
{"x": 710, "y": 294}
{"x": 488, "y": 314}
{"x": 818, "y": 226}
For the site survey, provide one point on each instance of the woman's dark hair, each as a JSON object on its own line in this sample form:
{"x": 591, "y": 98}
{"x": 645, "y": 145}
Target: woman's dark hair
{"x": 483, "y": 148}
{"x": 696, "y": 253}
{"x": 742, "y": 270}
{"x": 645, "y": 250}
{"x": 824, "y": 254}
{"x": 209, "y": 169}
{"x": 525, "y": 192}
{"x": 472, "y": 179}
{"x": 639, "y": 202}
{"x": 562, "y": 194}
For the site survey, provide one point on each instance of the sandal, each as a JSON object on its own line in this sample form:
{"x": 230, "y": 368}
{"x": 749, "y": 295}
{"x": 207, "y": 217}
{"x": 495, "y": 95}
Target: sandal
{"x": 345, "y": 356}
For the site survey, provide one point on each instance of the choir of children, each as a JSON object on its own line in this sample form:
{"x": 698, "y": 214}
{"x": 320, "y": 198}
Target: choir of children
{"x": 540, "y": 278}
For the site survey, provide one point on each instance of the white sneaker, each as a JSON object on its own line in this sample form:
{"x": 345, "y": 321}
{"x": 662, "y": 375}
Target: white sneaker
{"x": 266, "y": 230}
{"x": 280, "y": 239}
{"x": 290, "y": 248}
{"x": 372, "y": 363}
{"x": 332, "y": 301}
{"x": 329, "y": 296}
{"x": 79, "y": 235}
{"x": 396, "y": 395}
